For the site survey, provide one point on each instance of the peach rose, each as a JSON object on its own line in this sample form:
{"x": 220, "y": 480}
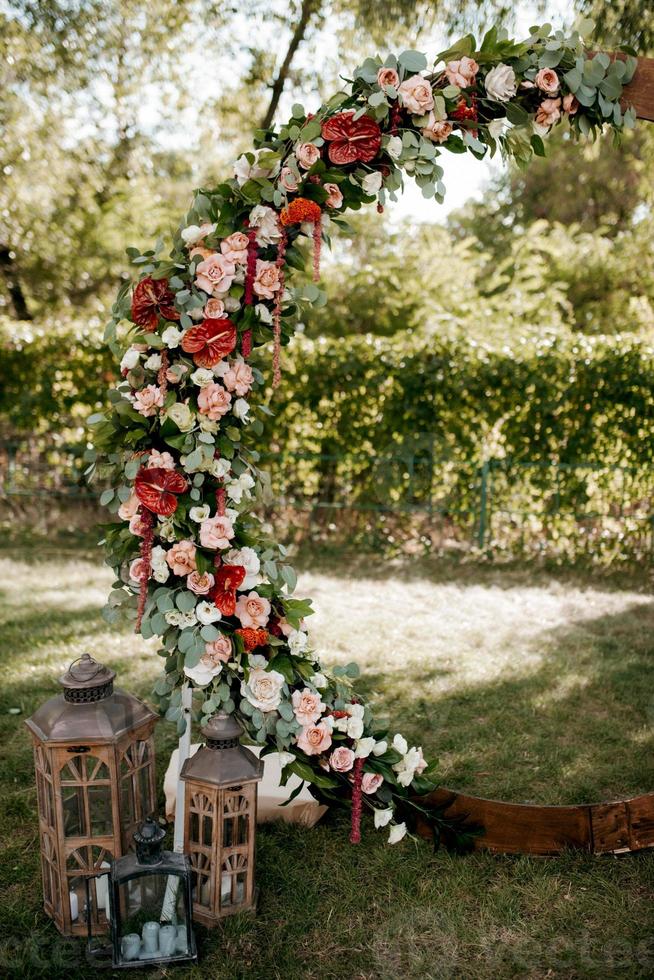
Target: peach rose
{"x": 136, "y": 570}
{"x": 200, "y": 583}
{"x": 159, "y": 460}
{"x": 549, "y": 112}
{"x": 204, "y": 253}
{"x": 547, "y": 81}
{"x": 235, "y": 247}
{"x": 214, "y": 401}
{"x": 253, "y": 610}
{"x": 148, "y": 400}
{"x": 417, "y": 95}
{"x": 436, "y": 129}
{"x": 288, "y": 180}
{"x": 129, "y": 508}
{"x": 341, "y": 759}
{"x": 214, "y": 309}
{"x": 314, "y": 739}
{"x": 388, "y": 76}
{"x": 307, "y": 706}
{"x": 307, "y": 154}
{"x": 570, "y": 104}
{"x": 219, "y": 651}
{"x": 136, "y": 525}
{"x": 266, "y": 279}
{"x": 462, "y": 73}
{"x": 239, "y": 378}
{"x": 174, "y": 373}
{"x": 216, "y": 532}
{"x": 181, "y": 558}
{"x": 334, "y": 196}
{"x": 215, "y": 274}
{"x": 371, "y": 782}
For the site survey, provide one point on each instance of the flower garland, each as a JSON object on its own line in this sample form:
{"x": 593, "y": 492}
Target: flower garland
{"x": 194, "y": 565}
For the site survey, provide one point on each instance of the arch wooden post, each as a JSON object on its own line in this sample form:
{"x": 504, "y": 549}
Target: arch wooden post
{"x": 640, "y": 91}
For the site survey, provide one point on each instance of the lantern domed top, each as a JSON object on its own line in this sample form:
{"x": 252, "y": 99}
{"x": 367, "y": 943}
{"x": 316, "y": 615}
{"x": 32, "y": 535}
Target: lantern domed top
{"x": 89, "y": 710}
{"x": 223, "y": 760}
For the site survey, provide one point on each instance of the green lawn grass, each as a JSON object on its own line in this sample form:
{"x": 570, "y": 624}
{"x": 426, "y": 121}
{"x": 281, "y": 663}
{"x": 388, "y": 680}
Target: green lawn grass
{"x": 526, "y": 685}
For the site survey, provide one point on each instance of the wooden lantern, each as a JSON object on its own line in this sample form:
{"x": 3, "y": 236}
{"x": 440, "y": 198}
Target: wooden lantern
{"x": 220, "y": 818}
{"x": 94, "y": 761}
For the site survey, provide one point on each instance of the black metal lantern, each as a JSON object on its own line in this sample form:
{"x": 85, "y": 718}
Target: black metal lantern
{"x": 150, "y": 898}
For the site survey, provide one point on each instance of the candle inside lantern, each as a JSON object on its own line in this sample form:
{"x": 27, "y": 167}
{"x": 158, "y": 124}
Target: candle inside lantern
{"x": 74, "y": 906}
{"x": 150, "y": 937}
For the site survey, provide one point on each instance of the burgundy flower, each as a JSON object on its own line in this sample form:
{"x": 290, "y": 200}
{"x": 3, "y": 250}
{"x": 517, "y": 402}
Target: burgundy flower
{"x": 152, "y": 298}
{"x": 157, "y": 487}
{"x": 210, "y": 341}
{"x": 351, "y": 139}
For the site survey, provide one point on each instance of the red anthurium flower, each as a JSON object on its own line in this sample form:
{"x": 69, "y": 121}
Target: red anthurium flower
{"x": 228, "y": 579}
{"x": 152, "y": 298}
{"x": 253, "y": 638}
{"x": 210, "y": 341}
{"x": 157, "y": 487}
{"x": 351, "y": 139}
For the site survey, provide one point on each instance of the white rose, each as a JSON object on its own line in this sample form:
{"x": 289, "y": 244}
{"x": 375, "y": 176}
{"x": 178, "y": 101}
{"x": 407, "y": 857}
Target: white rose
{"x": 383, "y": 817}
{"x": 173, "y": 617}
{"x": 167, "y": 531}
{"x": 400, "y": 744}
{"x": 219, "y": 468}
{"x": 319, "y": 681}
{"x": 182, "y": 416}
{"x": 186, "y": 619}
{"x": 380, "y": 748}
{"x": 244, "y": 170}
{"x": 297, "y": 641}
{"x": 237, "y": 488}
{"x": 398, "y": 831}
{"x": 372, "y": 182}
{"x": 130, "y": 359}
{"x": 231, "y": 303}
{"x": 199, "y": 514}
{"x": 241, "y": 409}
{"x": 355, "y": 728}
{"x": 248, "y": 559}
{"x": 207, "y": 613}
{"x": 501, "y": 83}
{"x": 497, "y": 127}
{"x": 203, "y": 673}
{"x": 263, "y": 689}
{"x": 160, "y": 569}
{"x": 264, "y": 314}
{"x": 364, "y": 747}
{"x": 208, "y": 425}
{"x": 202, "y": 377}
{"x": 394, "y": 147}
{"x": 153, "y": 362}
{"x": 171, "y": 337}
{"x": 264, "y": 219}
{"x": 194, "y": 233}
{"x": 221, "y": 369}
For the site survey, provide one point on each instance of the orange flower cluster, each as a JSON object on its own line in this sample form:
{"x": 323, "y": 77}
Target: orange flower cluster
{"x": 299, "y": 210}
{"x": 252, "y": 638}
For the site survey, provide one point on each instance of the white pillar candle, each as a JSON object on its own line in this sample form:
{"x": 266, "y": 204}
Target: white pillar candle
{"x": 150, "y": 937}
{"x": 74, "y": 907}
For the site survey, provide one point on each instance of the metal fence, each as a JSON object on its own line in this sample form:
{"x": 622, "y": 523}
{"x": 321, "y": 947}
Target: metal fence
{"x": 501, "y": 500}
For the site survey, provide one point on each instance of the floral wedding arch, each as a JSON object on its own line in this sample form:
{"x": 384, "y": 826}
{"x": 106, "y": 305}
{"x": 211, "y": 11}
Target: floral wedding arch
{"x": 179, "y": 442}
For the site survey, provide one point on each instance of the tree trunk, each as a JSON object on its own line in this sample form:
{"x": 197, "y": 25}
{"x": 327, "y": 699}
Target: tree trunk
{"x": 14, "y": 288}
{"x": 309, "y": 7}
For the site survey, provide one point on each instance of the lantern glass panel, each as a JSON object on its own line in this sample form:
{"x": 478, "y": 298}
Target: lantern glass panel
{"x": 153, "y": 920}
{"x": 72, "y": 798}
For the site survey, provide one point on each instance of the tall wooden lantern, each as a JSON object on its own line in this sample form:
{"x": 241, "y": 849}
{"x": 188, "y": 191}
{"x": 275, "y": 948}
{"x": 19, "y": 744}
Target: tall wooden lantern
{"x": 220, "y": 818}
{"x": 94, "y": 761}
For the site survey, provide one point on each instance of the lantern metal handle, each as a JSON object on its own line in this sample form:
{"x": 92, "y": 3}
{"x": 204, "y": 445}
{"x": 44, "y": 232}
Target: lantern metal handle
{"x": 95, "y": 673}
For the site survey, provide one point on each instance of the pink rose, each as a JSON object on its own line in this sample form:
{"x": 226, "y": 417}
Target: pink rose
{"x": 136, "y": 570}
{"x": 314, "y": 739}
{"x": 136, "y": 525}
{"x": 288, "y": 180}
{"x": 462, "y": 73}
{"x": 216, "y": 532}
{"x": 307, "y": 154}
{"x": 162, "y": 461}
{"x": 235, "y": 247}
{"x": 549, "y": 112}
{"x": 129, "y": 508}
{"x": 417, "y": 95}
{"x": 547, "y": 81}
{"x": 214, "y": 401}
{"x": 174, "y": 373}
{"x": 214, "y": 309}
{"x": 239, "y": 378}
{"x": 341, "y": 759}
{"x": 148, "y": 400}
{"x": 388, "y": 76}
{"x": 266, "y": 279}
{"x": 570, "y": 104}
{"x": 437, "y": 130}
{"x": 215, "y": 274}
{"x": 371, "y": 782}
{"x": 334, "y": 196}
{"x": 201, "y": 584}
{"x": 307, "y": 706}
{"x": 181, "y": 558}
{"x": 253, "y": 610}
{"x": 218, "y": 651}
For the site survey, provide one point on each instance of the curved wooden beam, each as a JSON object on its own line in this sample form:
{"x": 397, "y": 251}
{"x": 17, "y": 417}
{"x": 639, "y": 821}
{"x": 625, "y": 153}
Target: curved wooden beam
{"x": 640, "y": 91}
{"x": 518, "y": 828}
